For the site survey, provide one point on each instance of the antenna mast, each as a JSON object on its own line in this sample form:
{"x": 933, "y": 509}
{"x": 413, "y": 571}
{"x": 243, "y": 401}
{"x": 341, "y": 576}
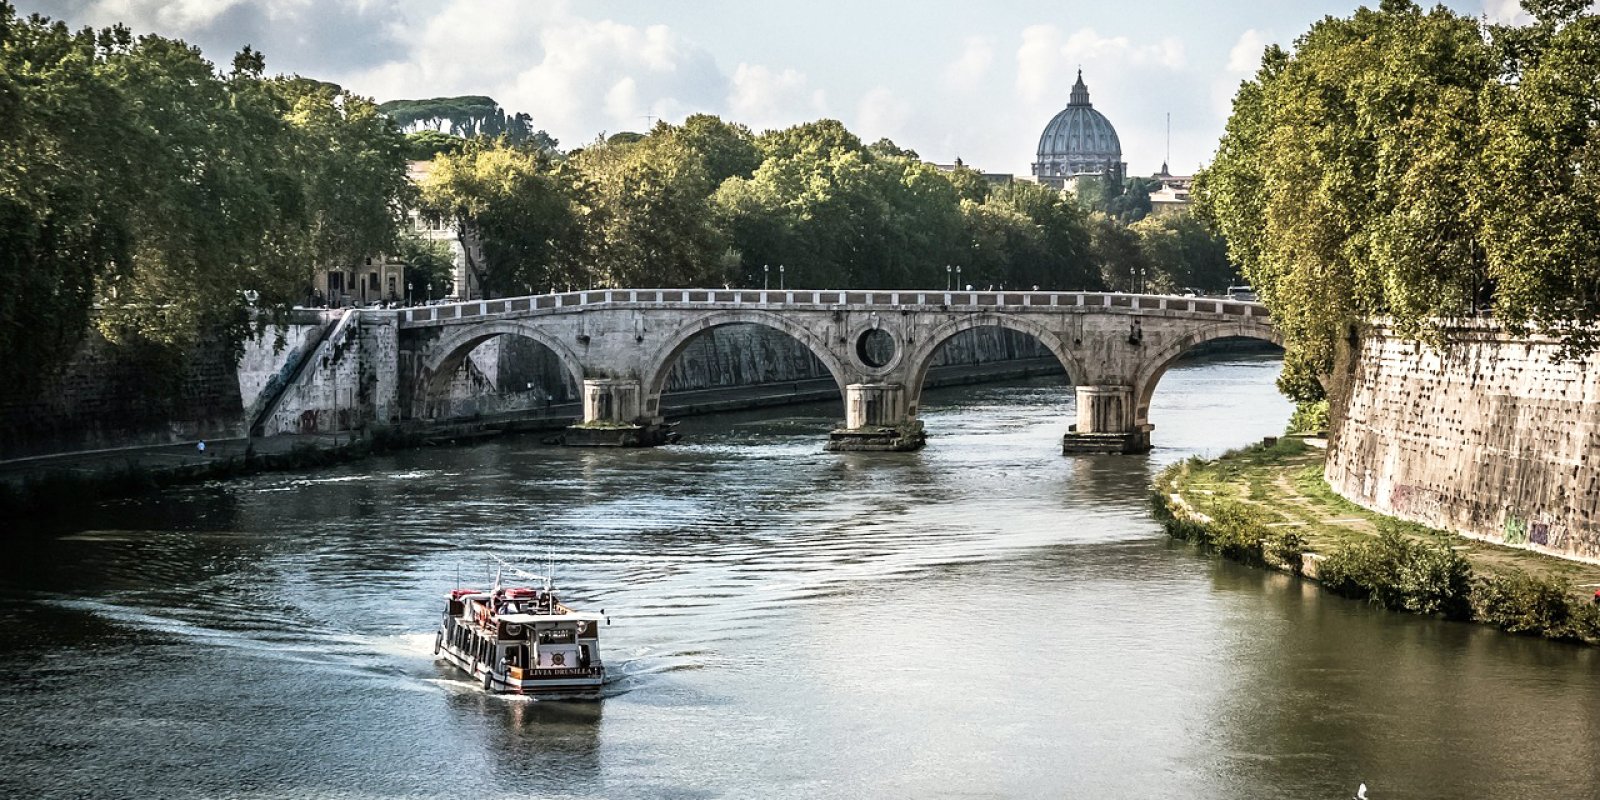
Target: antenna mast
{"x": 1168, "y": 162}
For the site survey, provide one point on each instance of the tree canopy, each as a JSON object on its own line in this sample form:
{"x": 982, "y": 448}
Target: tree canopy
{"x": 1417, "y": 166}
{"x": 467, "y": 117}
{"x": 146, "y": 192}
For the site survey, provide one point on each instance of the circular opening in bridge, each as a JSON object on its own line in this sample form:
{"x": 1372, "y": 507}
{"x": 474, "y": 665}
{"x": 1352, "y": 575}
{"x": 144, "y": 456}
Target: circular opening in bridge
{"x": 875, "y": 347}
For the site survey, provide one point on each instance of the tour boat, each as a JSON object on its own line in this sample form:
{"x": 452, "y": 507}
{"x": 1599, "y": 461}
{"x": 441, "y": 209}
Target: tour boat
{"x": 522, "y": 641}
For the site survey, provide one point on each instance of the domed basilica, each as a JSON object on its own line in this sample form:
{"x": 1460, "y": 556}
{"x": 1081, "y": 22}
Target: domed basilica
{"x": 1078, "y": 141}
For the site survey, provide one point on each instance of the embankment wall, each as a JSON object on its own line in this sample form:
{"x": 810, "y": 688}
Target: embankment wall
{"x": 1495, "y": 437}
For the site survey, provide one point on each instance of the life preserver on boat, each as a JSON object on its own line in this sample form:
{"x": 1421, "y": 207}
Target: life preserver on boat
{"x": 513, "y": 630}
{"x": 438, "y": 641}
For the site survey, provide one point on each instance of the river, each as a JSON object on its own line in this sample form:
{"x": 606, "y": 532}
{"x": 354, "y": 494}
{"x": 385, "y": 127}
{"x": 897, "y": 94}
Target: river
{"x": 985, "y": 618}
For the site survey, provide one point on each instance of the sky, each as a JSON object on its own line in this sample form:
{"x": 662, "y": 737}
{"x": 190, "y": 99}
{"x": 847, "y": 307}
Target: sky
{"x": 949, "y": 79}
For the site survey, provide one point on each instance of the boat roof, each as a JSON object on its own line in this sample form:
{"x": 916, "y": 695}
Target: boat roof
{"x": 574, "y": 616}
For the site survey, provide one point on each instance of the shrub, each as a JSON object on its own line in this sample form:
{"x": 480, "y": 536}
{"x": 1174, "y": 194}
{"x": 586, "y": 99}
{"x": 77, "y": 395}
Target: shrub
{"x": 1401, "y": 574}
{"x": 1521, "y": 603}
{"x": 1286, "y": 548}
{"x": 1309, "y": 417}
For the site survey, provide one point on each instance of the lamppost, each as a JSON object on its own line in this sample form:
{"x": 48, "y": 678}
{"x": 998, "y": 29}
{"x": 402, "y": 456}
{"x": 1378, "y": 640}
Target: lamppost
{"x": 958, "y": 276}
{"x": 409, "y": 293}
{"x": 766, "y": 275}
{"x": 780, "y": 277}
{"x": 947, "y": 277}
{"x": 430, "y": 293}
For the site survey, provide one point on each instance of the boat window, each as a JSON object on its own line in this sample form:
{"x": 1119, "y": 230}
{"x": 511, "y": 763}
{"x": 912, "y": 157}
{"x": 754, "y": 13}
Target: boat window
{"x": 556, "y": 636}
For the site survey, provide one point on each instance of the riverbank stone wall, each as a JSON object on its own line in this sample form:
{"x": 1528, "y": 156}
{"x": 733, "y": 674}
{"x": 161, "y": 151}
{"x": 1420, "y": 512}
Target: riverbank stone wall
{"x": 123, "y": 394}
{"x": 1494, "y": 437}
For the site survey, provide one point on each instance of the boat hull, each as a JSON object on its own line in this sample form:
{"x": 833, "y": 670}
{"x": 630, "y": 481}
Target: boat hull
{"x": 563, "y": 682}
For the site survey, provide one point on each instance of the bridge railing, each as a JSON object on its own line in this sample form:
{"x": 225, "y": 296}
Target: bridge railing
{"x": 812, "y": 299}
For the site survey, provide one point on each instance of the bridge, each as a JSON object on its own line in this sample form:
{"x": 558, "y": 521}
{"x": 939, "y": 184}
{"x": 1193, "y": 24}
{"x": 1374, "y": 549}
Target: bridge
{"x": 619, "y": 345}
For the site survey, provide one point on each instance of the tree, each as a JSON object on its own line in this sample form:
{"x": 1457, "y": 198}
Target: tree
{"x": 646, "y": 216}
{"x": 1539, "y": 195}
{"x": 727, "y": 150}
{"x": 350, "y": 165}
{"x": 1344, "y": 183}
{"x": 520, "y": 205}
{"x": 1125, "y": 200}
{"x": 1062, "y": 256}
{"x": 468, "y": 116}
{"x": 1123, "y": 265}
{"x": 425, "y": 145}
{"x": 1182, "y": 253}
{"x": 429, "y": 263}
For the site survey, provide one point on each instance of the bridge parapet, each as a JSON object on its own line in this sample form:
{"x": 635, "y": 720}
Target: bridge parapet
{"x": 818, "y": 300}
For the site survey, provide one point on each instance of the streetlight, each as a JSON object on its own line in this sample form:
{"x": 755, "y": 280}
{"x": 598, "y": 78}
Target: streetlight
{"x": 958, "y": 276}
{"x": 409, "y": 293}
{"x": 947, "y": 277}
{"x": 780, "y": 277}
{"x": 766, "y": 275}
{"x": 430, "y": 292}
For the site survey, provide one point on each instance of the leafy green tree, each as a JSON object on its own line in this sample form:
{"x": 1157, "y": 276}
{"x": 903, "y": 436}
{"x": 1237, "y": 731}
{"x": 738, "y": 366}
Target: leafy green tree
{"x": 969, "y": 183}
{"x": 1062, "y": 257}
{"x": 62, "y": 208}
{"x": 425, "y": 145}
{"x": 1541, "y": 156}
{"x": 1344, "y": 184}
{"x": 1123, "y": 265}
{"x": 468, "y": 116}
{"x": 726, "y": 149}
{"x": 1123, "y": 199}
{"x": 647, "y": 219}
{"x": 350, "y": 165}
{"x": 839, "y": 214}
{"x": 429, "y": 263}
{"x": 1183, "y": 253}
{"x": 520, "y": 205}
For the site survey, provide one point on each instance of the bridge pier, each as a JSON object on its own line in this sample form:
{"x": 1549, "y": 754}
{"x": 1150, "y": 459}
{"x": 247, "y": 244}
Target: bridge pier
{"x": 1106, "y": 423}
{"x": 876, "y": 420}
{"x": 612, "y": 418}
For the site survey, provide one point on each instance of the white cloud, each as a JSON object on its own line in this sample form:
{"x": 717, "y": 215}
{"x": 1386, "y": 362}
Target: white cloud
{"x": 1506, "y": 12}
{"x": 1243, "y": 61}
{"x": 1245, "y": 57}
{"x": 306, "y": 36}
{"x": 762, "y": 97}
{"x": 1044, "y": 57}
{"x": 969, "y": 70}
{"x": 881, "y": 114}
{"x": 574, "y": 75}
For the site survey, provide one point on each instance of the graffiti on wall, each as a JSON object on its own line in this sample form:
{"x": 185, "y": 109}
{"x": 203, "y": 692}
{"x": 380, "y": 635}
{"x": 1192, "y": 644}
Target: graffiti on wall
{"x": 1515, "y": 531}
{"x": 1414, "y": 500}
{"x": 1520, "y": 530}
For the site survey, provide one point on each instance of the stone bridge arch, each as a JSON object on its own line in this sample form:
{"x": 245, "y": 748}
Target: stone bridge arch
{"x": 920, "y": 357}
{"x": 1155, "y": 365}
{"x": 441, "y": 359}
{"x": 660, "y": 364}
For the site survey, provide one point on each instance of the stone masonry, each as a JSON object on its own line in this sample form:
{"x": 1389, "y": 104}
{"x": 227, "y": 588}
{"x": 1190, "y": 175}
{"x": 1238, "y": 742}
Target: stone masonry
{"x": 1497, "y": 439}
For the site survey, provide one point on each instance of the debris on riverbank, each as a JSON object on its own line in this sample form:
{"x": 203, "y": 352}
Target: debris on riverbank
{"x": 1267, "y": 506}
